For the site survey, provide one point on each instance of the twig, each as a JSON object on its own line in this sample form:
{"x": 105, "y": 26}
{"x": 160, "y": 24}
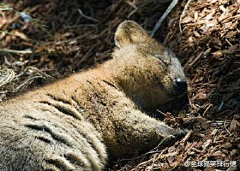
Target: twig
{"x": 153, "y": 151}
{"x": 79, "y": 26}
{"x": 27, "y": 51}
{"x": 4, "y": 7}
{"x": 87, "y": 17}
{"x": 162, "y": 113}
{"x": 210, "y": 105}
{"x": 181, "y": 16}
{"x": 220, "y": 106}
{"x": 133, "y": 6}
{"x": 225, "y": 126}
{"x": 83, "y": 59}
{"x": 195, "y": 59}
{"x": 154, "y": 159}
{"x": 6, "y": 76}
{"x": 159, "y": 22}
{"x": 26, "y": 82}
{"x": 132, "y": 12}
{"x": 187, "y": 136}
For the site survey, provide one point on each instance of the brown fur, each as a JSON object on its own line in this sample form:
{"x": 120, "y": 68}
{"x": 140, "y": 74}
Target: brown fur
{"x": 72, "y": 124}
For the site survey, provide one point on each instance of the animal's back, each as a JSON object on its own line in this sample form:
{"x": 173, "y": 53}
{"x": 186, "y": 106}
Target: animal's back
{"x": 41, "y": 135}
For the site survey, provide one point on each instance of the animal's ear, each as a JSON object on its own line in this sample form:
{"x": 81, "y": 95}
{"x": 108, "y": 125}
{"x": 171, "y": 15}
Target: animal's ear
{"x": 130, "y": 32}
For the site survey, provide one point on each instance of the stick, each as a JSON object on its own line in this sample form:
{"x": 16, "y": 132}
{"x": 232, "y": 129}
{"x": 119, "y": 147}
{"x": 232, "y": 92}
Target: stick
{"x": 159, "y": 22}
{"x": 27, "y": 51}
{"x": 180, "y": 20}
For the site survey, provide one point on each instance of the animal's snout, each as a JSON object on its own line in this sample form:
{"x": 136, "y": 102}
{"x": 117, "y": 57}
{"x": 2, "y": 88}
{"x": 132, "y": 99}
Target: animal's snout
{"x": 180, "y": 86}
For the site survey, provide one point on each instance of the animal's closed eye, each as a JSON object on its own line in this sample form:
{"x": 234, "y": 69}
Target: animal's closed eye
{"x": 161, "y": 58}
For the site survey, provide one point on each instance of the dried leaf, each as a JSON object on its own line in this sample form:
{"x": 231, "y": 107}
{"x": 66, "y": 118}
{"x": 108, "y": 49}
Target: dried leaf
{"x": 206, "y": 144}
{"x": 204, "y": 122}
{"x": 234, "y": 125}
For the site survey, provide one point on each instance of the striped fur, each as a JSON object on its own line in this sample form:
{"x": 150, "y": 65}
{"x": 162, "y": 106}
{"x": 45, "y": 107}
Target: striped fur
{"x": 75, "y": 123}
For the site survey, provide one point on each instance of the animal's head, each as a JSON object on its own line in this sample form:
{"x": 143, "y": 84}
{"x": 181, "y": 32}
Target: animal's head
{"x": 150, "y": 73}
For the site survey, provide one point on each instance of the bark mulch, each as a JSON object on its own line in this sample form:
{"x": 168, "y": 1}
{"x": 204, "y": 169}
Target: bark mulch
{"x": 44, "y": 40}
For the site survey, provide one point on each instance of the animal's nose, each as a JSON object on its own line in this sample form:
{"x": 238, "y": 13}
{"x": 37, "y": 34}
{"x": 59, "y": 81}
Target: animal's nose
{"x": 181, "y": 86}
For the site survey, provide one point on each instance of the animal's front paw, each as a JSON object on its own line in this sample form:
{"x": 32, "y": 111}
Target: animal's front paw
{"x": 180, "y": 133}
{"x": 165, "y": 131}
{"x": 175, "y": 134}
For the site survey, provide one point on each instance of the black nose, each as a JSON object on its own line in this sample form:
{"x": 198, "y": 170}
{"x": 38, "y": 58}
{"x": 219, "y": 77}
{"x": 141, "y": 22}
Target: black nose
{"x": 181, "y": 86}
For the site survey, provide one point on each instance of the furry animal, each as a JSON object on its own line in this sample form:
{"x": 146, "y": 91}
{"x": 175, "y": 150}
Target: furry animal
{"x": 75, "y": 123}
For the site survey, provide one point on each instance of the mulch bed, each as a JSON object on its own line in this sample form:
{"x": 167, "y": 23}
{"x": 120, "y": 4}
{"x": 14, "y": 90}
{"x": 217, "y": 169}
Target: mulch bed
{"x": 44, "y": 40}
